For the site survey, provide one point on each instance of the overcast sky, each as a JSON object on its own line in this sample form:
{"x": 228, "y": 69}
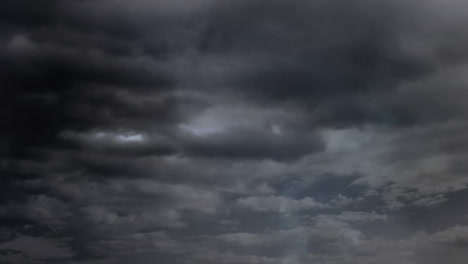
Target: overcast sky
{"x": 233, "y": 131}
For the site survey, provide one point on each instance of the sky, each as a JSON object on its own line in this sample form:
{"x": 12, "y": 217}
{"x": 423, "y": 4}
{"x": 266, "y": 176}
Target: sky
{"x": 233, "y": 131}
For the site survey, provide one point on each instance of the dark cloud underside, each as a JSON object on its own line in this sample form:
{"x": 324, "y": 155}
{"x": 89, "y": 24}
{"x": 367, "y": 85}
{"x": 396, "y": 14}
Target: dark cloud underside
{"x": 213, "y": 131}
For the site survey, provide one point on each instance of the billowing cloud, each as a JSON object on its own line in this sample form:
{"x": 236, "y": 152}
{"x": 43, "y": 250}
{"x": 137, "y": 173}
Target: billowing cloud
{"x": 214, "y": 131}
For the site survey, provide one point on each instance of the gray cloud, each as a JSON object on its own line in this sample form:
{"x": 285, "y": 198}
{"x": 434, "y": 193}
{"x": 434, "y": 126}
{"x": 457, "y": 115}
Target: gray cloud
{"x": 233, "y": 132}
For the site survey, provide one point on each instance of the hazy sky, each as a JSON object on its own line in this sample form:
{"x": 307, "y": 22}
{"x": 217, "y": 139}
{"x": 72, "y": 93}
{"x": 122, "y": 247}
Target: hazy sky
{"x": 234, "y": 131}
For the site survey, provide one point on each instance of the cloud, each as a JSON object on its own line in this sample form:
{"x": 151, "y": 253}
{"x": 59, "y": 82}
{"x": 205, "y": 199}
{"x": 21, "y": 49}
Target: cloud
{"x": 278, "y": 204}
{"x": 352, "y": 217}
{"x": 283, "y": 204}
{"x": 233, "y": 132}
{"x": 38, "y": 248}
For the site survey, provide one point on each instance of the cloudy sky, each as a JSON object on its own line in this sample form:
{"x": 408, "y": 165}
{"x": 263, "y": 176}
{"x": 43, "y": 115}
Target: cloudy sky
{"x": 233, "y": 132}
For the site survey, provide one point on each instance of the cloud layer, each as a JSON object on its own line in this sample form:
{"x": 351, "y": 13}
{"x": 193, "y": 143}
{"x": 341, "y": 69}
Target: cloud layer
{"x": 215, "y": 131}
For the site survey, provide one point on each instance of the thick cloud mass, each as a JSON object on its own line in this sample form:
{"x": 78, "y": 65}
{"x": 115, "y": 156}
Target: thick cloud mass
{"x": 216, "y": 131}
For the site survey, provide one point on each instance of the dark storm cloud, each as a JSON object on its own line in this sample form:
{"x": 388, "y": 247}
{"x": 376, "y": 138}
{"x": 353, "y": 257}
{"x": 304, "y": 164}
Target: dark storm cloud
{"x": 318, "y": 49}
{"x": 339, "y": 60}
{"x": 232, "y": 132}
{"x": 254, "y": 144}
{"x": 59, "y": 80}
{"x": 23, "y": 13}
